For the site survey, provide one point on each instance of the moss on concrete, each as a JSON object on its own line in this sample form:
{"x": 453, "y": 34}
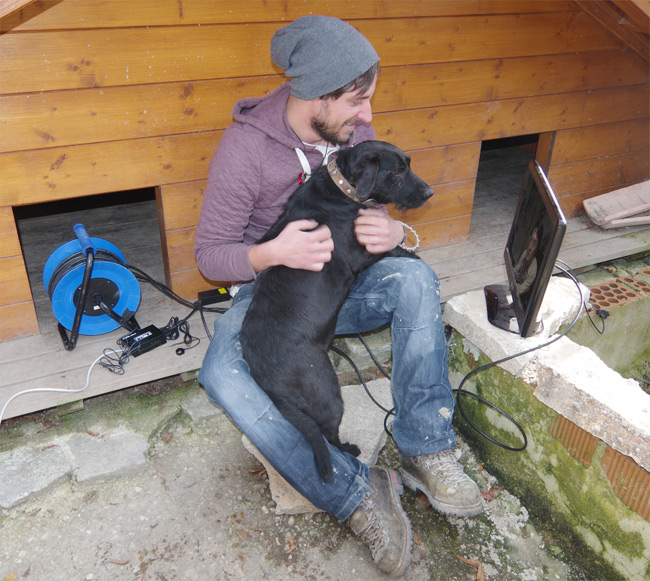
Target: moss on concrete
{"x": 625, "y": 343}
{"x": 574, "y": 501}
{"x": 128, "y": 408}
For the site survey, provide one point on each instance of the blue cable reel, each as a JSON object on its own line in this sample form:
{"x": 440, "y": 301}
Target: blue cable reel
{"x": 89, "y": 285}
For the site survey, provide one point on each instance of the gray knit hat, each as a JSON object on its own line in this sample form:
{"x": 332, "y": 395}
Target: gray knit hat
{"x": 321, "y": 54}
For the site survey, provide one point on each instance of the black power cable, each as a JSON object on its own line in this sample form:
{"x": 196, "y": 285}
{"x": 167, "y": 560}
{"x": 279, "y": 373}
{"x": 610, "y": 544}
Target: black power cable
{"x": 164, "y": 289}
{"x": 460, "y": 391}
{"x": 175, "y": 326}
{"x": 602, "y": 314}
{"x": 194, "y": 306}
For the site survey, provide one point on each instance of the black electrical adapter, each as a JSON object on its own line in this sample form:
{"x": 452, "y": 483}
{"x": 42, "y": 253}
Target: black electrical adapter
{"x": 142, "y": 340}
{"x": 217, "y": 295}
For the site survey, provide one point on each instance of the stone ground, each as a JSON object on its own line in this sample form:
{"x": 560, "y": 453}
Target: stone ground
{"x": 154, "y": 483}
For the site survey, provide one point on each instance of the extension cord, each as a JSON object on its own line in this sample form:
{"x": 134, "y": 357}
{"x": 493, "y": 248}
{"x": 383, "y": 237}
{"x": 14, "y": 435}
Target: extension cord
{"x": 50, "y": 389}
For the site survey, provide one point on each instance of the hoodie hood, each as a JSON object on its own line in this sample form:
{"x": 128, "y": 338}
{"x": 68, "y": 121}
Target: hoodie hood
{"x": 269, "y": 115}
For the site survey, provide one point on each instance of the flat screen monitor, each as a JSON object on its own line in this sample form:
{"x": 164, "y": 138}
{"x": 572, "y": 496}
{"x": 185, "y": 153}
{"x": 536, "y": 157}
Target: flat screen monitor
{"x": 533, "y": 244}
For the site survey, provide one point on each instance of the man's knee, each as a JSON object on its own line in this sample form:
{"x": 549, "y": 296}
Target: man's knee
{"x": 219, "y": 365}
{"x": 419, "y": 280}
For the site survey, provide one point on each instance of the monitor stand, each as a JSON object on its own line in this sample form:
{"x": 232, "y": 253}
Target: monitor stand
{"x": 500, "y": 308}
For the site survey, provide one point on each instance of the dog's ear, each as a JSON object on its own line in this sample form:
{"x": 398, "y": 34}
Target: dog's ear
{"x": 364, "y": 174}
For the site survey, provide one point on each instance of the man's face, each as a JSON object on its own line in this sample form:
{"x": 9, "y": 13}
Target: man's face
{"x": 532, "y": 243}
{"x": 337, "y": 118}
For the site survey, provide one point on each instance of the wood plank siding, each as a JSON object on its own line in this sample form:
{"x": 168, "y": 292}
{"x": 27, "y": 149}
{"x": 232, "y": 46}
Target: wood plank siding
{"x": 100, "y": 96}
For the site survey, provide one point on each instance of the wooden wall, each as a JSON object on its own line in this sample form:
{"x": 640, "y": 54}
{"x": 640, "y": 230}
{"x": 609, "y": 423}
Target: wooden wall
{"x": 101, "y": 96}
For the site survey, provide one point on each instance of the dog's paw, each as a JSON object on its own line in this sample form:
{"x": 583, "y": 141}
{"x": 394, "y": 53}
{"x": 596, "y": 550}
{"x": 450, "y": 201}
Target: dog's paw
{"x": 350, "y": 448}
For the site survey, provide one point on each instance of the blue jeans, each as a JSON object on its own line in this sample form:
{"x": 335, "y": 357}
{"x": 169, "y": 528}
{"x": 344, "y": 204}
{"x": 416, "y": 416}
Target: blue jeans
{"x": 402, "y": 291}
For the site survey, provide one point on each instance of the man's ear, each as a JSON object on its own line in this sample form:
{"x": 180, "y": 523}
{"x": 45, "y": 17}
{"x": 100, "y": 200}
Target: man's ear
{"x": 364, "y": 174}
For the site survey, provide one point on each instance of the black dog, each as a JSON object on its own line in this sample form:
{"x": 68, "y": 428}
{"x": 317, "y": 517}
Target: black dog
{"x": 290, "y": 323}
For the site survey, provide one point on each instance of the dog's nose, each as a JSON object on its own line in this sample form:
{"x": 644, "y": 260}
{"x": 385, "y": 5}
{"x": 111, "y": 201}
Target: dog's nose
{"x": 428, "y": 193}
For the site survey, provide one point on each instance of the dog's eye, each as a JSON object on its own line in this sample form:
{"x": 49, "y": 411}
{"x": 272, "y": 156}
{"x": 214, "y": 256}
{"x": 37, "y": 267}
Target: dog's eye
{"x": 398, "y": 172}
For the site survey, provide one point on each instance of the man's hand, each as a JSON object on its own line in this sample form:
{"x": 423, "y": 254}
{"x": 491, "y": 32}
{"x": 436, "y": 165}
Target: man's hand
{"x": 302, "y": 244}
{"x": 377, "y": 231}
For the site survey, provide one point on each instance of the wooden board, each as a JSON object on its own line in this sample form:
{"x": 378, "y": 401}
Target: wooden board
{"x": 438, "y": 126}
{"x": 482, "y": 79}
{"x": 114, "y": 57}
{"x": 8, "y": 7}
{"x": 609, "y": 15}
{"x": 443, "y": 232}
{"x": 14, "y": 284}
{"x": 448, "y": 201}
{"x": 600, "y": 140}
{"x": 83, "y": 13}
{"x": 57, "y": 118}
{"x": 180, "y": 204}
{"x": 451, "y": 163}
{"x": 67, "y": 172}
{"x": 625, "y": 207}
{"x": 40, "y": 361}
{"x": 187, "y": 283}
{"x": 611, "y": 105}
{"x": 455, "y": 39}
{"x": 18, "y": 320}
{"x": 614, "y": 171}
{"x": 9, "y": 242}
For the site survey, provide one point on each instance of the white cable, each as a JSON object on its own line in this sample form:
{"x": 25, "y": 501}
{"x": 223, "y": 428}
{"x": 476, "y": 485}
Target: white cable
{"x": 52, "y": 389}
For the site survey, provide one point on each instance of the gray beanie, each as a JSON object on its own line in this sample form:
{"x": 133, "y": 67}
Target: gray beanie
{"x": 321, "y": 54}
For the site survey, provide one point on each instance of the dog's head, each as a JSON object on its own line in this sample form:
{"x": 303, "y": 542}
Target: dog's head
{"x": 381, "y": 171}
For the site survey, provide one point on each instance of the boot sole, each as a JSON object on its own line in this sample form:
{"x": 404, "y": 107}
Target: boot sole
{"x": 414, "y": 484}
{"x": 396, "y": 491}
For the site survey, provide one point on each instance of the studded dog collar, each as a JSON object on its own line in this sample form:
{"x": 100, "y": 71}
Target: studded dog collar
{"x": 346, "y": 187}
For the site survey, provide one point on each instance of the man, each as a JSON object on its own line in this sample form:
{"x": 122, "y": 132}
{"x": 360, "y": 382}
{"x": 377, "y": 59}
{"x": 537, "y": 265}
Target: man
{"x": 525, "y": 270}
{"x": 272, "y": 146}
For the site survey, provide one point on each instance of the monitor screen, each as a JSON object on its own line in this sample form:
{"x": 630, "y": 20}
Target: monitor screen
{"x": 533, "y": 244}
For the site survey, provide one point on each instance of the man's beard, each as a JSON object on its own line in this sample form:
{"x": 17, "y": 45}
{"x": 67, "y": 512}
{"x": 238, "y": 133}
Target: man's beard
{"x": 328, "y": 133}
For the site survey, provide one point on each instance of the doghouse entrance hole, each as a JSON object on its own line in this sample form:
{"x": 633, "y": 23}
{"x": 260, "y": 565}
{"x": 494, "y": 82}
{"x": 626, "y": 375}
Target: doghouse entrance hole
{"x": 128, "y": 219}
{"x": 501, "y": 171}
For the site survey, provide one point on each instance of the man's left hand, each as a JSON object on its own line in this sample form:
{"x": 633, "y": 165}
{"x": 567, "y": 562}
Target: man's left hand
{"x": 377, "y": 231}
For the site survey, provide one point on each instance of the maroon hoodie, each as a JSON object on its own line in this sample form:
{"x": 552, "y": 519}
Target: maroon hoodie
{"x": 252, "y": 174}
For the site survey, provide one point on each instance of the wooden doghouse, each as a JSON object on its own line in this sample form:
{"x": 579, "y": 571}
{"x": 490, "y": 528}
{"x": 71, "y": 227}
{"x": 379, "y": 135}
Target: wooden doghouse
{"x": 99, "y": 96}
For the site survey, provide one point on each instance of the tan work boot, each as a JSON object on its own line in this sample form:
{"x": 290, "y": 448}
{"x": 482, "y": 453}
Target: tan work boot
{"x": 444, "y": 482}
{"x": 381, "y": 523}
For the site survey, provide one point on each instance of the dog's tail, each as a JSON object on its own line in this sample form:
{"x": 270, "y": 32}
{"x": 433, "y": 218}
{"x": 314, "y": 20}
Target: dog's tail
{"x": 313, "y": 434}
{"x": 321, "y": 454}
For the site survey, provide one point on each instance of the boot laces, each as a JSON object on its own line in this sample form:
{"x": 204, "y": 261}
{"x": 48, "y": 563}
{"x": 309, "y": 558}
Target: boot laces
{"x": 373, "y": 533}
{"x": 445, "y": 466}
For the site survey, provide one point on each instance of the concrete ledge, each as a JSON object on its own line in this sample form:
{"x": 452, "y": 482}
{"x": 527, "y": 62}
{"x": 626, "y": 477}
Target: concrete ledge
{"x": 585, "y": 468}
{"x": 570, "y": 379}
{"x": 468, "y": 315}
{"x": 573, "y": 381}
